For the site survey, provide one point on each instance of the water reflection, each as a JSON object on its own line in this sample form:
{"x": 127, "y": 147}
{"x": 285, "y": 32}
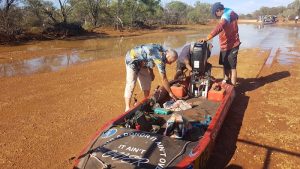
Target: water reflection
{"x": 288, "y": 57}
{"x": 78, "y": 51}
{"x": 41, "y": 64}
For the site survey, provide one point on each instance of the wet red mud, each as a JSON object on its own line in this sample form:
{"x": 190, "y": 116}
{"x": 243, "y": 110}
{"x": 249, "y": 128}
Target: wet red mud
{"x": 47, "y": 118}
{"x": 262, "y": 126}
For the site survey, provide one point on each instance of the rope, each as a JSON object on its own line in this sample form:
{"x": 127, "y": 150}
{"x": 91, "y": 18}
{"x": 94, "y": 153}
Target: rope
{"x": 105, "y": 166}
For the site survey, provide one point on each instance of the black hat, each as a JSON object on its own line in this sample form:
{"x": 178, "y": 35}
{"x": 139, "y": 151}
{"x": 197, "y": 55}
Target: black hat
{"x": 215, "y": 7}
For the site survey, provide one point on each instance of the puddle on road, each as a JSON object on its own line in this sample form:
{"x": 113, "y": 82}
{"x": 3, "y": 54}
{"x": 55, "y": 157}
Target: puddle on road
{"x": 53, "y": 55}
{"x": 40, "y": 64}
{"x": 288, "y": 57}
{"x": 281, "y": 39}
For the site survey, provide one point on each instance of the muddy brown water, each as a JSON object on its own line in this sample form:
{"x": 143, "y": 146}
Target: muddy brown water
{"x": 47, "y": 118}
{"x": 54, "y": 55}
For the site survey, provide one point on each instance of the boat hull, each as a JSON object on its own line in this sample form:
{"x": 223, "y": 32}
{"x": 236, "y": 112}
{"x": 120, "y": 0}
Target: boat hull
{"x": 196, "y": 152}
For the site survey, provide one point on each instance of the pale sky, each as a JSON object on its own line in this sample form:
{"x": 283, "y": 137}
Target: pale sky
{"x": 241, "y": 6}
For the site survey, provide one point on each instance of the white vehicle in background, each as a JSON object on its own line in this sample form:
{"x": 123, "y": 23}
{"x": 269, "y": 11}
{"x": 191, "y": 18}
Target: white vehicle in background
{"x": 267, "y": 19}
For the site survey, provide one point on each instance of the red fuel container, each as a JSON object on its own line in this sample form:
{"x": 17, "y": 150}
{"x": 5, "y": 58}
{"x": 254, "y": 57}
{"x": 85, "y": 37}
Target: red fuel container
{"x": 179, "y": 90}
{"x": 214, "y": 94}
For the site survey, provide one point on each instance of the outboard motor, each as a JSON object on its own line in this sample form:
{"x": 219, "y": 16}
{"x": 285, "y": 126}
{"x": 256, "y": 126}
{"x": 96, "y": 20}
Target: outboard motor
{"x": 199, "y": 56}
{"x": 201, "y": 70}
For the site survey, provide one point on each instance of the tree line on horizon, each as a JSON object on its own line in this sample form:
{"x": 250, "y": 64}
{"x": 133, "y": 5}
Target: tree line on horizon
{"x": 286, "y": 12}
{"x": 76, "y": 16}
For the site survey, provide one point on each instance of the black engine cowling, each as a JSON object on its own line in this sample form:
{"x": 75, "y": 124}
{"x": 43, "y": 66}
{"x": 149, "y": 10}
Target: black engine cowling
{"x": 200, "y": 52}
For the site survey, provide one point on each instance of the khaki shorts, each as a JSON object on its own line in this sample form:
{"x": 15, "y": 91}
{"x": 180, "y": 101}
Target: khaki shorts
{"x": 143, "y": 76}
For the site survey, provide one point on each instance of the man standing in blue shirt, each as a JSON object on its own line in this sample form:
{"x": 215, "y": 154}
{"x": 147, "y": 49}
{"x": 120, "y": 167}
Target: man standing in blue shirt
{"x": 139, "y": 65}
{"x": 228, "y": 32}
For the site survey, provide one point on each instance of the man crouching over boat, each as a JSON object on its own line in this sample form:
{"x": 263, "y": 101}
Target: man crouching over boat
{"x": 184, "y": 58}
{"x": 139, "y": 65}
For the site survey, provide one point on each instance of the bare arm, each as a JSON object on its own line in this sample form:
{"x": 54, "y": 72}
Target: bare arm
{"x": 187, "y": 64}
{"x": 217, "y": 29}
{"x": 166, "y": 85}
{"x": 151, "y": 73}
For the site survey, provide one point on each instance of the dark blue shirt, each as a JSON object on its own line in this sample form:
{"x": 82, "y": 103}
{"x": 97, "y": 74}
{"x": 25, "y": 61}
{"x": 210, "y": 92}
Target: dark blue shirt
{"x": 185, "y": 53}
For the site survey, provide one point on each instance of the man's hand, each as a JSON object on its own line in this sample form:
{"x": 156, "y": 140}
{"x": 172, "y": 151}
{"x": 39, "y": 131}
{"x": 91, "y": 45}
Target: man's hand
{"x": 188, "y": 66}
{"x": 202, "y": 40}
{"x": 166, "y": 85}
{"x": 189, "y": 72}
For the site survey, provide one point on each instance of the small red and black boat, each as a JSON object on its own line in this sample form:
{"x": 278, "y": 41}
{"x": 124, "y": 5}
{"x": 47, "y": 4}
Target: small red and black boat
{"x": 150, "y": 136}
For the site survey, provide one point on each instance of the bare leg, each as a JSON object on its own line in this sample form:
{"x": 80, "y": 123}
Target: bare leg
{"x": 226, "y": 74}
{"x": 233, "y": 76}
{"x": 131, "y": 78}
{"x": 127, "y": 103}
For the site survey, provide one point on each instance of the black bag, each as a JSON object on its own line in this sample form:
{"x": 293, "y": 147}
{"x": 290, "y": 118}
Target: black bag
{"x": 140, "y": 120}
